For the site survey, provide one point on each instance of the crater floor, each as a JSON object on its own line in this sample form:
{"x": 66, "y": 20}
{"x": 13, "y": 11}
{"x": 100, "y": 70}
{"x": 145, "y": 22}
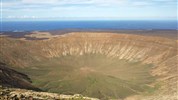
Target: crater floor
{"x": 92, "y": 75}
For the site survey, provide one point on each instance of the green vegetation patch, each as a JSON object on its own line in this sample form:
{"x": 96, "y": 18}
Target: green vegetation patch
{"x": 93, "y": 75}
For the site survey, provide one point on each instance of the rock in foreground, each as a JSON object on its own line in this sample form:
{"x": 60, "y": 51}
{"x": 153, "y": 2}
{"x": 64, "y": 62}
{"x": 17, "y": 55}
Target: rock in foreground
{"x": 22, "y": 94}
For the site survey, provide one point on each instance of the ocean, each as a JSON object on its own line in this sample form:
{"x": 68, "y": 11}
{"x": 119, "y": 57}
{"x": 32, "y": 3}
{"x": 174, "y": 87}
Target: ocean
{"x": 100, "y": 25}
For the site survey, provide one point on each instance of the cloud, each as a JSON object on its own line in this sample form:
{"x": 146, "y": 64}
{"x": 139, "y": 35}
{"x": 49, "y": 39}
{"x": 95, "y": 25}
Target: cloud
{"x": 22, "y": 17}
{"x": 142, "y": 3}
{"x": 40, "y": 8}
{"x": 62, "y": 2}
{"x": 52, "y": 3}
{"x": 39, "y": 1}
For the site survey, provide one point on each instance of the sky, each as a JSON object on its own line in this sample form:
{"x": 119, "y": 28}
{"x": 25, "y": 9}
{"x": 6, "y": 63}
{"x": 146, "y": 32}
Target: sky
{"x": 88, "y": 10}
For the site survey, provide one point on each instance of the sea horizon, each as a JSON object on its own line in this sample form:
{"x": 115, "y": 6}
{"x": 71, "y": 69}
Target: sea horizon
{"x": 89, "y": 25}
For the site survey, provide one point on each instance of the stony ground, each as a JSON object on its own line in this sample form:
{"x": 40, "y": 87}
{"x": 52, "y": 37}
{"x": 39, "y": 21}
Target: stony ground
{"x": 22, "y": 94}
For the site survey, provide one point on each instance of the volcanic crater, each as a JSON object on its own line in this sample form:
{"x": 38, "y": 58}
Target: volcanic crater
{"x": 101, "y": 65}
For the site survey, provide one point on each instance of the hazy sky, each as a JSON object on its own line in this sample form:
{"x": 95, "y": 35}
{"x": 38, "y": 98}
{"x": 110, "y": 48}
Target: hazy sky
{"x": 88, "y": 9}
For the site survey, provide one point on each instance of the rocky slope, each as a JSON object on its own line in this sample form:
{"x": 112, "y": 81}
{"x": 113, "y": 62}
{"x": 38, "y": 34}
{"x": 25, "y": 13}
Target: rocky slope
{"x": 12, "y": 78}
{"x": 123, "y": 59}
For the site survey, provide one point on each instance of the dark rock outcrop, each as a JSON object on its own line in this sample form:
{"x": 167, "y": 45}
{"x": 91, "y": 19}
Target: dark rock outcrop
{"x": 12, "y": 78}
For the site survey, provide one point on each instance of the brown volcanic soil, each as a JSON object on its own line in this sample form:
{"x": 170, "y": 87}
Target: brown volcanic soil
{"x": 80, "y": 50}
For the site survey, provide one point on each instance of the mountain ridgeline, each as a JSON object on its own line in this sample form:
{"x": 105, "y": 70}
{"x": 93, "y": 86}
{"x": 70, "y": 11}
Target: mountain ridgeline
{"x": 96, "y": 64}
